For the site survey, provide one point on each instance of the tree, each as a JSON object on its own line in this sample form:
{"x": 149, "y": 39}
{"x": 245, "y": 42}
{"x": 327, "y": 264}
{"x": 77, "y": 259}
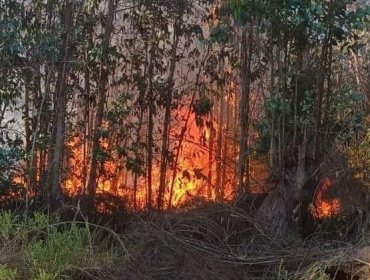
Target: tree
{"x": 59, "y": 113}
{"x": 101, "y": 93}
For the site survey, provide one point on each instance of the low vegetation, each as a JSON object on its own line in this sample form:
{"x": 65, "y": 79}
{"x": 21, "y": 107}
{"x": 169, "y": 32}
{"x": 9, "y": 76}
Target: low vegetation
{"x": 38, "y": 248}
{"x": 211, "y": 242}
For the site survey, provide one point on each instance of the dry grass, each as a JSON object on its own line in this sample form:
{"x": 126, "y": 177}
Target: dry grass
{"x": 224, "y": 243}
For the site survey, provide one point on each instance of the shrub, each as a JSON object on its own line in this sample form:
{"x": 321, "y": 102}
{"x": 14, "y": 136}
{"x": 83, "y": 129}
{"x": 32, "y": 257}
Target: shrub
{"x": 50, "y": 251}
{"x": 7, "y": 273}
{"x": 59, "y": 252}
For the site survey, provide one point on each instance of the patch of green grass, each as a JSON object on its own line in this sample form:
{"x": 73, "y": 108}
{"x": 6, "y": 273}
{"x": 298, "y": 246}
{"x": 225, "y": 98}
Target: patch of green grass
{"x": 59, "y": 252}
{"x": 7, "y": 273}
{"x": 51, "y": 251}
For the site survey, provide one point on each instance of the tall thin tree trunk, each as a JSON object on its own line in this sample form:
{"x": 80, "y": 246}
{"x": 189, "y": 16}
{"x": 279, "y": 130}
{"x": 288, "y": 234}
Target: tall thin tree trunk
{"x": 88, "y": 119}
{"x": 272, "y": 125}
{"x": 225, "y": 152}
{"x": 318, "y": 112}
{"x": 138, "y": 134}
{"x": 150, "y": 140}
{"x": 211, "y": 141}
{"x": 58, "y": 128}
{"x": 87, "y": 126}
{"x": 219, "y": 152}
{"x": 27, "y": 129}
{"x": 246, "y": 57}
{"x": 167, "y": 119}
{"x": 102, "y": 84}
{"x": 328, "y": 99}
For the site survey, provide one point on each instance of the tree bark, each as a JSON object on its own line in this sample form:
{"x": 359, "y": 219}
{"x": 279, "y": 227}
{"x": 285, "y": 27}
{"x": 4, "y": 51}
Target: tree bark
{"x": 246, "y": 55}
{"x": 150, "y": 140}
{"x": 219, "y": 152}
{"x": 167, "y": 119}
{"x": 102, "y": 84}
{"x": 59, "y": 114}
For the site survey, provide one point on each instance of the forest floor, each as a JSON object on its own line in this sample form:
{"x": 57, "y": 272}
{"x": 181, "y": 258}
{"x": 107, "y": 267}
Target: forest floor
{"x": 208, "y": 242}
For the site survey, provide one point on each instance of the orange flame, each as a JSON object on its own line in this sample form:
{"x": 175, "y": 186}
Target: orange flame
{"x": 325, "y": 208}
{"x": 189, "y": 181}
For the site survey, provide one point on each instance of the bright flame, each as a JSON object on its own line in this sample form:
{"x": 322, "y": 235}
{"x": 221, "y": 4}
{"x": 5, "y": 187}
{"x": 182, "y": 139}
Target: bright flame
{"x": 324, "y": 208}
{"x": 196, "y": 161}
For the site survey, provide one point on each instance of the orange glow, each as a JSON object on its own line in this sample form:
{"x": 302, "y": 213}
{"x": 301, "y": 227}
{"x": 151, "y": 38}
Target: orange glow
{"x": 74, "y": 185}
{"x": 191, "y": 179}
{"x": 201, "y": 165}
{"x": 325, "y": 207}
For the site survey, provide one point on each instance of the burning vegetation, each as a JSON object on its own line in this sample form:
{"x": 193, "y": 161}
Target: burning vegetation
{"x": 224, "y": 139}
{"x": 189, "y": 176}
{"x": 325, "y": 206}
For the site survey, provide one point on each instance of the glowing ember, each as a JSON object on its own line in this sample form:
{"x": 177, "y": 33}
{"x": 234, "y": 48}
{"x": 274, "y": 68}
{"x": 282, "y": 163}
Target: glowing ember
{"x": 324, "y": 208}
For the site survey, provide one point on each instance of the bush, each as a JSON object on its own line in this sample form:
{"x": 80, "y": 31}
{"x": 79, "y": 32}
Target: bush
{"x": 50, "y": 251}
{"x": 59, "y": 252}
{"x": 7, "y": 273}
{"x": 11, "y": 155}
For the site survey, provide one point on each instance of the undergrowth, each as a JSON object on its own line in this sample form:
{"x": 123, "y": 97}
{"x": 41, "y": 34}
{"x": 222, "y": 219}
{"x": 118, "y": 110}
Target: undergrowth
{"x": 42, "y": 249}
{"x": 214, "y": 242}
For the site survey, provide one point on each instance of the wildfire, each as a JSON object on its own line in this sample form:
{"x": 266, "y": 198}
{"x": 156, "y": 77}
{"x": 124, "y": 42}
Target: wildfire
{"x": 190, "y": 176}
{"x": 325, "y": 207}
{"x": 78, "y": 168}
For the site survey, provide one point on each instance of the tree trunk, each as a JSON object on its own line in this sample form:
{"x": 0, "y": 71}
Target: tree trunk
{"x": 245, "y": 79}
{"x": 224, "y": 178}
{"x": 210, "y": 157}
{"x": 167, "y": 120}
{"x": 219, "y": 152}
{"x": 150, "y": 140}
{"x": 59, "y": 115}
{"x": 102, "y": 84}
{"x": 318, "y": 112}
{"x": 87, "y": 126}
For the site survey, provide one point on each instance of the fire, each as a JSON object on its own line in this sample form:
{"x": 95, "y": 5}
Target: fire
{"x": 74, "y": 183}
{"x": 202, "y": 161}
{"x": 325, "y": 207}
{"x": 189, "y": 176}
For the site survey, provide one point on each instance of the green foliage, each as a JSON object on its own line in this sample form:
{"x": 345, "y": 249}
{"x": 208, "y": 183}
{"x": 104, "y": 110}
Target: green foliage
{"x": 8, "y": 225}
{"x": 316, "y": 272}
{"x": 14, "y": 228}
{"x": 239, "y": 10}
{"x": 219, "y": 34}
{"x": 120, "y": 109}
{"x": 202, "y": 106}
{"x": 43, "y": 275}
{"x": 11, "y": 155}
{"x": 7, "y": 273}
{"x": 282, "y": 273}
{"x": 277, "y": 105}
{"x": 359, "y": 19}
{"x": 347, "y": 115}
{"x": 263, "y": 144}
{"x": 135, "y": 164}
{"x": 359, "y": 155}
{"x": 61, "y": 250}
{"x": 51, "y": 251}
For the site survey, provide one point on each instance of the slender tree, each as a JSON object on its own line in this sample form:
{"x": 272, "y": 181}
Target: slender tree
{"x": 101, "y": 96}
{"x": 56, "y": 149}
